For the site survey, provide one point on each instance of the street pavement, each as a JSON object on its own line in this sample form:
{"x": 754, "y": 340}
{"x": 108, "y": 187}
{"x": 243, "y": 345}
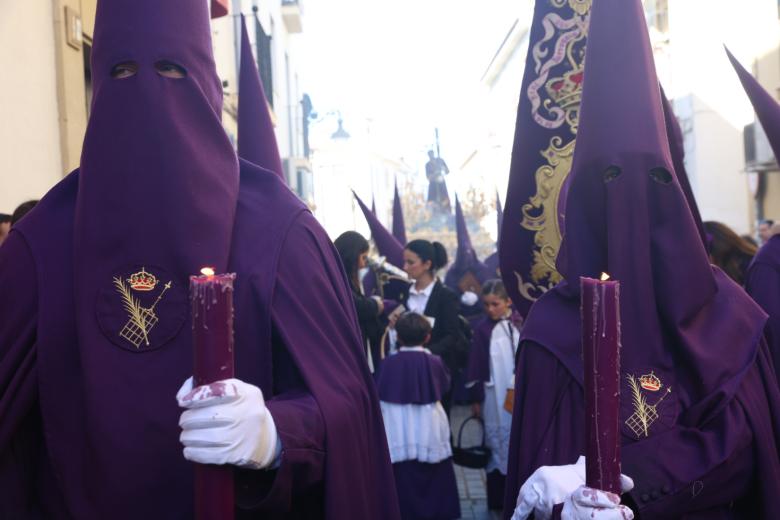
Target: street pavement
{"x": 471, "y": 482}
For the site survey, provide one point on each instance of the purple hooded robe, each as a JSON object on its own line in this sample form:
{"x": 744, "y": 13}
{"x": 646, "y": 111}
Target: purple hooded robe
{"x": 692, "y": 343}
{"x": 88, "y": 416}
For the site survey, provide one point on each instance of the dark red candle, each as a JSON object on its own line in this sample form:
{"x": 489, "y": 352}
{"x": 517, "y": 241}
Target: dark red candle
{"x": 600, "y": 311}
{"x": 211, "y": 297}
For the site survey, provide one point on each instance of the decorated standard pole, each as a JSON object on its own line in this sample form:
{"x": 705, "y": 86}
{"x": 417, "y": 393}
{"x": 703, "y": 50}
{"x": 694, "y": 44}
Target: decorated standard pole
{"x": 600, "y": 311}
{"x": 211, "y": 296}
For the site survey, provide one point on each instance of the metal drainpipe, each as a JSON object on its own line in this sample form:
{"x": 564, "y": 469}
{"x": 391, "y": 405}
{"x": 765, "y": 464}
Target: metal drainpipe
{"x": 236, "y": 8}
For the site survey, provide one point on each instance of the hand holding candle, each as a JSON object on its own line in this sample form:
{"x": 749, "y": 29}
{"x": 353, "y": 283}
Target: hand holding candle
{"x": 600, "y": 311}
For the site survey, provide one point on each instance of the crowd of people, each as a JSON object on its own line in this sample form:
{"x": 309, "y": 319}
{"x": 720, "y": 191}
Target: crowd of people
{"x": 348, "y": 367}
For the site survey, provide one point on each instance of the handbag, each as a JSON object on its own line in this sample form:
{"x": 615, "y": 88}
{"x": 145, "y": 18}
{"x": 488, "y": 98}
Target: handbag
{"x": 476, "y": 457}
{"x": 509, "y": 400}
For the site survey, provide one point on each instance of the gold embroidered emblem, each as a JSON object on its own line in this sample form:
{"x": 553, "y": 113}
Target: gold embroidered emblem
{"x": 142, "y": 281}
{"x": 141, "y": 320}
{"x": 644, "y": 414}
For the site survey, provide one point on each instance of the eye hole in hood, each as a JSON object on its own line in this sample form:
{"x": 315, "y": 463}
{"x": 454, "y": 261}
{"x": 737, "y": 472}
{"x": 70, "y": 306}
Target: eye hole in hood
{"x": 612, "y": 173}
{"x": 124, "y": 70}
{"x": 169, "y": 69}
{"x": 661, "y": 175}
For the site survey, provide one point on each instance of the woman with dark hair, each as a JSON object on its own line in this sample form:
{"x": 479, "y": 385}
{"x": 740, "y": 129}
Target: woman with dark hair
{"x": 23, "y": 209}
{"x": 728, "y": 250}
{"x": 353, "y": 250}
{"x": 429, "y": 297}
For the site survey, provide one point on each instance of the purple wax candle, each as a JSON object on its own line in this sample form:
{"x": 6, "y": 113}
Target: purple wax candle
{"x": 600, "y": 311}
{"x": 211, "y": 297}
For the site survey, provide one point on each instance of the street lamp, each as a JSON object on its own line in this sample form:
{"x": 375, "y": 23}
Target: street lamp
{"x": 311, "y": 116}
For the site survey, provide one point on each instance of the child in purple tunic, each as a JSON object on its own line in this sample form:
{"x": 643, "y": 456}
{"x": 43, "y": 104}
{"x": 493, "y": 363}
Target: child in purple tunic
{"x": 490, "y": 376}
{"x": 410, "y": 385}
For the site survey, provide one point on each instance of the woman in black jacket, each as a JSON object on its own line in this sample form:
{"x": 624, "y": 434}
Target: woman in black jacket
{"x": 429, "y": 297}
{"x": 353, "y": 249}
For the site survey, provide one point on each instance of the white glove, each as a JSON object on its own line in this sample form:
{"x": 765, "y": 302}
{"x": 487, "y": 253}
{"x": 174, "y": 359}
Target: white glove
{"x": 588, "y": 503}
{"x": 469, "y": 299}
{"x": 227, "y": 422}
{"x": 550, "y": 485}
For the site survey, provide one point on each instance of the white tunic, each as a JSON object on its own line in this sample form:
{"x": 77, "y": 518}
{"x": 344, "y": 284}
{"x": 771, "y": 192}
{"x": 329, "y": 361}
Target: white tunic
{"x": 498, "y": 422}
{"x": 416, "y": 431}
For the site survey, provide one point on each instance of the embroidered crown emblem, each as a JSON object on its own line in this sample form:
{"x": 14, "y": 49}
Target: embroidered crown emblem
{"x": 650, "y": 382}
{"x": 566, "y": 91}
{"x": 645, "y": 414}
{"x": 142, "y": 281}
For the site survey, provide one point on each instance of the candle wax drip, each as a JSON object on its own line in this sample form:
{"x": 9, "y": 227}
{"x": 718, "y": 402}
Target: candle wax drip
{"x": 203, "y": 294}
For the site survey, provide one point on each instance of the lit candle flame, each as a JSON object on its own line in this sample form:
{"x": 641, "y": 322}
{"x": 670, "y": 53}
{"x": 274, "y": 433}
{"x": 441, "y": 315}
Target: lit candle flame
{"x": 604, "y": 277}
{"x": 207, "y": 271}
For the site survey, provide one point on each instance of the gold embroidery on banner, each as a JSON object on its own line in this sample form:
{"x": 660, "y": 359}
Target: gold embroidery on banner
{"x": 141, "y": 320}
{"x": 540, "y": 214}
{"x": 581, "y": 7}
{"x": 644, "y": 414}
{"x": 555, "y": 96}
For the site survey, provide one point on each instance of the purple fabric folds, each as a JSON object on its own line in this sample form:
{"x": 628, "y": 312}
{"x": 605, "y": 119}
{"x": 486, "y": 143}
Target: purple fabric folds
{"x": 762, "y": 283}
{"x": 412, "y": 377}
{"x": 256, "y": 137}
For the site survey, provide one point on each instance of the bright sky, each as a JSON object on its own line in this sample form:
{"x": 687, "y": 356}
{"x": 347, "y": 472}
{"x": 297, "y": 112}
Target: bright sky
{"x": 408, "y": 65}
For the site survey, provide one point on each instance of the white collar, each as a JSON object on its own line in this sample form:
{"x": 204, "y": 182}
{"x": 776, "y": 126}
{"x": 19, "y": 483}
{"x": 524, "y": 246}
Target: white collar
{"x": 414, "y": 349}
{"x": 425, "y": 292}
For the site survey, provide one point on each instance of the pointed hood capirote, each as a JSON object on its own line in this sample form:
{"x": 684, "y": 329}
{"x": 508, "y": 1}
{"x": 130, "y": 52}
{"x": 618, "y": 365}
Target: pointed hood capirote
{"x": 766, "y": 106}
{"x": 466, "y": 260}
{"x": 387, "y": 245}
{"x": 256, "y": 137}
{"x": 627, "y": 215}
{"x": 399, "y": 227}
{"x": 677, "y": 151}
{"x": 158, "y": 180}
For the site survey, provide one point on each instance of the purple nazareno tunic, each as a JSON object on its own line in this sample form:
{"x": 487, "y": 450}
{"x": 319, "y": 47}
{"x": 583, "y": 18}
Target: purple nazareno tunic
{"x": 425, "y": 490}
{"x": 700, "y": 406}
{"x": 95, "y": 335}
{"x": 762, "y": 282}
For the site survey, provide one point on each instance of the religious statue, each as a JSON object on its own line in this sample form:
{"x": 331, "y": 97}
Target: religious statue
{"x": 435, "y": 170}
